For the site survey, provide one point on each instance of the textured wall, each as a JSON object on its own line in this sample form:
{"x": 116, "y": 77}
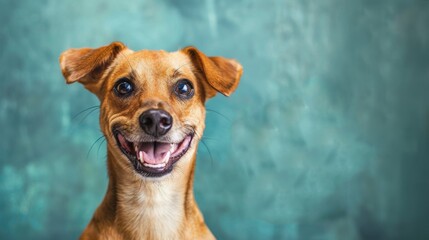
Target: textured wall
{"x": 326, "y": 138}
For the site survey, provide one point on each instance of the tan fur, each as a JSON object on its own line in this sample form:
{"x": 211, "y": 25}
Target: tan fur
{"x": 135, "y": 206}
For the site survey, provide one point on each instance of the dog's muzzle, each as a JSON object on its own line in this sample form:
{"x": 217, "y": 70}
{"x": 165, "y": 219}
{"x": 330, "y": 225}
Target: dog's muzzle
{"x": 154, "y": 157}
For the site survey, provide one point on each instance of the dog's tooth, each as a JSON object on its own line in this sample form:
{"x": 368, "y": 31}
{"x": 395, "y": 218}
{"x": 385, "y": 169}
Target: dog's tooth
{"x": 140, "y": 155}
{"x": 161, "y": 165}
{"x": 166, "y": 157}
{"x": 173, "y": 147}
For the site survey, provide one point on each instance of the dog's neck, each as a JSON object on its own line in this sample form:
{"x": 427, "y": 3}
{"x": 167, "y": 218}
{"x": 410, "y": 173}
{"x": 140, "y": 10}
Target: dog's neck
{"x": 154, "y": 208}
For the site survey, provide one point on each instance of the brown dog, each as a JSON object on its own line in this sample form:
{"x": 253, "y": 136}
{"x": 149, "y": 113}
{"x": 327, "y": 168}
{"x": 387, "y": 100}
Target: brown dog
{"x": 152, "y": 115}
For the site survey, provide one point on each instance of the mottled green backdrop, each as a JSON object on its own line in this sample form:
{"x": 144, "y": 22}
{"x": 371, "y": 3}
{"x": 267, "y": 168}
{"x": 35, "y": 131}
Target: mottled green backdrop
{"x": 326, "y": 138}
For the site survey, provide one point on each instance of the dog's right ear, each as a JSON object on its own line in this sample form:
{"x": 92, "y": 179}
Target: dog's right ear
{"x": 222, "y": 74}
{"x": 86, "y": 65}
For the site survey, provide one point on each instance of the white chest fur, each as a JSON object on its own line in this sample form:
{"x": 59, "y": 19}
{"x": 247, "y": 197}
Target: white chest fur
{"x": 156, "y": 211}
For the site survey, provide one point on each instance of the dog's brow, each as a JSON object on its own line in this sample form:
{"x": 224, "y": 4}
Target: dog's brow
{"x": 176, "y": 72}
{"x": 134, "y": 74}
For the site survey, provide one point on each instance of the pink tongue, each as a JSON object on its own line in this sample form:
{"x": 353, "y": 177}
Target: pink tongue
{"x": 153, "y": 153}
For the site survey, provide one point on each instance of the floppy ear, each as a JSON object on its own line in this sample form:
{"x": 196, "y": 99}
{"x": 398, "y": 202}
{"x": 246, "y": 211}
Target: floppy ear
{"x": 86, "y": 65}
{"x": 222, "y": 74}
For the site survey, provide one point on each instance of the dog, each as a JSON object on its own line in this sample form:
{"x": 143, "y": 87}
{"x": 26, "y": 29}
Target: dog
{"x": 152, "y": 114}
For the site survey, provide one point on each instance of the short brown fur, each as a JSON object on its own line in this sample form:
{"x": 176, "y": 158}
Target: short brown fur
{"x": 137, "y": 206}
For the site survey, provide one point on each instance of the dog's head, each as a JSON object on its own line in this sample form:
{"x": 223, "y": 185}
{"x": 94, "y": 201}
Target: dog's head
{"x": 152, "y": 102}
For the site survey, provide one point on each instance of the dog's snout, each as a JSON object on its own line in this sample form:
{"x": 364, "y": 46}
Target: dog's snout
{"x": 156, "y": 122}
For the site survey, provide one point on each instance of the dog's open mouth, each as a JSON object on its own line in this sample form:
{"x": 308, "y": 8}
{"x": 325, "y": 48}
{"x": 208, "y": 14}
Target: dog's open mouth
{"x": 153, "y": 159}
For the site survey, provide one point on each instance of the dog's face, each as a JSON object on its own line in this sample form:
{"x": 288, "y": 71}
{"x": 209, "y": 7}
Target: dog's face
{"x": 152, "y": 102}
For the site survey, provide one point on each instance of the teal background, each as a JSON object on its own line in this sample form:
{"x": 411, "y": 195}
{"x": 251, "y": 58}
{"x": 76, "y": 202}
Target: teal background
{"x": 326, "y": 138}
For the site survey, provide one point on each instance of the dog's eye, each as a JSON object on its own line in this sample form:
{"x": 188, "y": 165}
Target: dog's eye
{"x": 123, "y": 87}
{"x": 184, "y": 89}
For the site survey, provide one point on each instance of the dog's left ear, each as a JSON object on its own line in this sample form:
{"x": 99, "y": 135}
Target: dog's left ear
{"x": 86, "y": 65}
{"x": 222, "y": 74}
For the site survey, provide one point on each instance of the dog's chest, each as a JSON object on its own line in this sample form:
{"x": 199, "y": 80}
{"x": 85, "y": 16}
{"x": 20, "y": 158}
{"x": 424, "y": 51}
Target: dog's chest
{"x": 155, "y": 214}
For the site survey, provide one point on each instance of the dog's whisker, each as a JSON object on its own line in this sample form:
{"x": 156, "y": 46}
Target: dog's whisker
{"x": 177, "y": 69}
{"x": 208, "y": 150}
{"x": 89, "y": 151}
{"x": 99, "y": 146}
{"x": 133, "y": 71}
{"x": 87, "y": 114}
{"x": 218, "y": 113}
{"x": 199, "y": 136}
{"x": 87, "y": 109}
{"x": 205, "y": 145}
{"x": 210, "y": 139}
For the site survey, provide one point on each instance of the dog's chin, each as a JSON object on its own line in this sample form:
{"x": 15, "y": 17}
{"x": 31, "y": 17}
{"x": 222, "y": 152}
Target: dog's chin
{"x": 153, "y": 159}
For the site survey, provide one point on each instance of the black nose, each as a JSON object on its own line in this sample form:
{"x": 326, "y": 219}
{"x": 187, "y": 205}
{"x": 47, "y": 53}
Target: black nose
{"x": 156, "y": 122}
